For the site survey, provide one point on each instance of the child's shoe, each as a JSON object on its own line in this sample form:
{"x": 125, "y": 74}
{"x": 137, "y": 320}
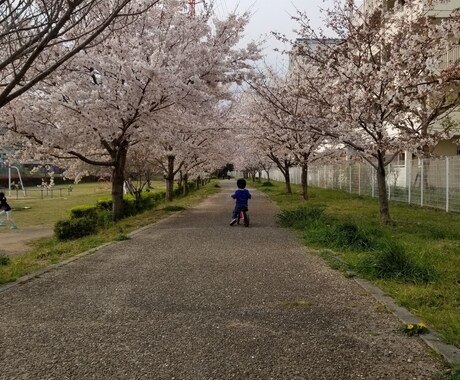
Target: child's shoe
{"x": 13, "y": 228}
{"x": 233, "y": 222}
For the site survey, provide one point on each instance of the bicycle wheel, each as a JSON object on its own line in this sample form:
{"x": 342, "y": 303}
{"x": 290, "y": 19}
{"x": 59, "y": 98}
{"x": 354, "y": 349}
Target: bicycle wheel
{"x": 246, "y": 218}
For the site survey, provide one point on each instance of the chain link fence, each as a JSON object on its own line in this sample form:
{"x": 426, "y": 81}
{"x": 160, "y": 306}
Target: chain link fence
{"x": 424, "y": 182}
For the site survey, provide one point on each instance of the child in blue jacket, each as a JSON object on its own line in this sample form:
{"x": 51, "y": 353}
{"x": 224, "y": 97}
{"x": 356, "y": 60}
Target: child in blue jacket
{"x": 241, "y": 196}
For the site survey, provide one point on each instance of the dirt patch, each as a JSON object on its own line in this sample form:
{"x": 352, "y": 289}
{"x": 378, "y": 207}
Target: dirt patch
{"x": 18, "y": 242}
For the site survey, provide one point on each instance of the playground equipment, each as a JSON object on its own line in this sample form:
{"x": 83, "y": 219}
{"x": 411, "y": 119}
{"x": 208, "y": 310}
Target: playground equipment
{"x": 20, "y": 180}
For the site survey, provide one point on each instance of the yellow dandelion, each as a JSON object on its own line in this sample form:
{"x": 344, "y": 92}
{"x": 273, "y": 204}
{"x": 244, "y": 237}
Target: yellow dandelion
{"x": 421, "y": 325}
{"x": 410, "y": 327}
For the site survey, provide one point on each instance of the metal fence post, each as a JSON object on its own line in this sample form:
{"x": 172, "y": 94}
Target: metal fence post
{"x": 422, "y": 179}
{"x": 447, "y": 184}
{"x": 372, "y": 181}
{"x": 359, "y": 179}
{"x": 409, "y": 180}
{"x": 349, "y": 175}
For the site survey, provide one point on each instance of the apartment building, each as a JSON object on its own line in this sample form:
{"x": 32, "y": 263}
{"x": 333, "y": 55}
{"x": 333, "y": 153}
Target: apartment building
{"x": 449, "y": 147}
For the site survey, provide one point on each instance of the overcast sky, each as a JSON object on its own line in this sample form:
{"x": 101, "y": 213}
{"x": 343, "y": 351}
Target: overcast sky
{"x": 273, "y": 15}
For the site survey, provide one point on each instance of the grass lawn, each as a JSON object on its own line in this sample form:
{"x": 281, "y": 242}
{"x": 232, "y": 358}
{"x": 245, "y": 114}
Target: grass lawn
{"x": 51, "y": 251}
{"x": 35, "y": 211}
{"x": 416, "y": 261}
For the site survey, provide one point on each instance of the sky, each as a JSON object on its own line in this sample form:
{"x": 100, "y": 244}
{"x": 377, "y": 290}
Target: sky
{"x": 273, "y": 15}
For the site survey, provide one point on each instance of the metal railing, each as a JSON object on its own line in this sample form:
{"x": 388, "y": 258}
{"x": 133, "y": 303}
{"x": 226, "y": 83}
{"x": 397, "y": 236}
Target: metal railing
{"x": 38, "y": 192}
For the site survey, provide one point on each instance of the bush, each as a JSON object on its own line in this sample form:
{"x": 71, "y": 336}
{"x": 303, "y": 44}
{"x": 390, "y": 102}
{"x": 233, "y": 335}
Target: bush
{"x": 132, "y": 207}
{"x": 267, "y": 184}
{"x": 104, "y": 218}
{"x": 83, "y": 212}
{"x": 74, "y": 228}
{"x": 104, "y": 204}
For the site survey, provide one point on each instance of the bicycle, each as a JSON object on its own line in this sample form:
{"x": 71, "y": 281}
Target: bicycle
{"x": 243, "y": 215}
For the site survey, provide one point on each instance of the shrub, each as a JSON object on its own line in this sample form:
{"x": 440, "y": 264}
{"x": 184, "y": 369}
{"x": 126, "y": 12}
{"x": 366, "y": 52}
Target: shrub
{"x": 130, "y": 206}
{"x": 103, "y": 218}
{"x": 267, "y": 184}
{"x": 104, "y": 204}
{"x": 74, "y": 228}
{"x": 83, "y": 212}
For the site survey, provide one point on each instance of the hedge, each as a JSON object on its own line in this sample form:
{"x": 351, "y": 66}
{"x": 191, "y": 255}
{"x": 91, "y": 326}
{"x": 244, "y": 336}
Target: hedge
{"x": 86, "y": 219}
{"x": 74, "y": 228}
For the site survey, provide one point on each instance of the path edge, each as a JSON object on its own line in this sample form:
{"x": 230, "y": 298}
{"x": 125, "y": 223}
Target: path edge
{"x": 432, "y": 339}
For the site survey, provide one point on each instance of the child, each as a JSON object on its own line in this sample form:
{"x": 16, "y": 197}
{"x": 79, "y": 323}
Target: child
{"x": 241, "y": 196}
{"x": 5, "y": 208}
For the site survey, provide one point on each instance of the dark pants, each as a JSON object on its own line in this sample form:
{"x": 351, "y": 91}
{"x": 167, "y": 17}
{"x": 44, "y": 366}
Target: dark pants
{"x": 237, "y": 210}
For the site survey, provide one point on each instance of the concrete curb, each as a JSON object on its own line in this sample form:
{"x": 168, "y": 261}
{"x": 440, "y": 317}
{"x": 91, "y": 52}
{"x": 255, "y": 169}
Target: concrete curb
{"x": 449, "y": 352}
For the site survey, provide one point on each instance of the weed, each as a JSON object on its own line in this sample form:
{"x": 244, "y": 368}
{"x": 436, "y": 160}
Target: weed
{"x": 391, "y": 261}
{"x": 122, "y": 237}
{"x": 349, "y": 236}
{"x": 300, "y": 217}
{"x": 411, "y": 329}
{"x": 451, "y": 374}
{"x": 4, "y": 259}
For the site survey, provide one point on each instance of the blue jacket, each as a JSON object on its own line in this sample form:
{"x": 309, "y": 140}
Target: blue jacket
{"x": 242, "y": 196}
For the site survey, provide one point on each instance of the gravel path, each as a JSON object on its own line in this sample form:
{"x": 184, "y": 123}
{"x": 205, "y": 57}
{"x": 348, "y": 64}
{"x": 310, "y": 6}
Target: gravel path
{"x": 193, "y": 298}
{"x": 17, "y": 242}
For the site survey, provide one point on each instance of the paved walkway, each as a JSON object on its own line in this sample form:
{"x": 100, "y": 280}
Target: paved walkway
{"x": 193, "y": 298}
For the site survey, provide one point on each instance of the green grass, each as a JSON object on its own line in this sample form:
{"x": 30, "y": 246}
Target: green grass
{"x": 33, "y": 211}
{"x": 416, "y": 261}
{"x": 48, "y": 251}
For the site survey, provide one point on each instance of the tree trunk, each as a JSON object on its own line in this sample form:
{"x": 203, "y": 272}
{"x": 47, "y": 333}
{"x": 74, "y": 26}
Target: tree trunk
{"x": 170, "y": 179}
{"x": 118, "y": 179}
{"x": 304, "y": 180}
{"x": 180, "y": 182}
{"x": 268, "y": 175}
{"x": 382, "y": 188}
{"x": 287, "y": 179}
{"x": 186, "y": 188}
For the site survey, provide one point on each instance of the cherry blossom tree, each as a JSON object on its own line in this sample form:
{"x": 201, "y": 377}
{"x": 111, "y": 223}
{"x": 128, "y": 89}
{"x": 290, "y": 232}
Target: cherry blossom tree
{"x": 382, "y": 84}
{"x": 279, "y": 114}
{"x": 189, "y": 142}
{"x": 37, "y": 37}
{"x": 140, "y": 170}
{"x": 116, "y": 95}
